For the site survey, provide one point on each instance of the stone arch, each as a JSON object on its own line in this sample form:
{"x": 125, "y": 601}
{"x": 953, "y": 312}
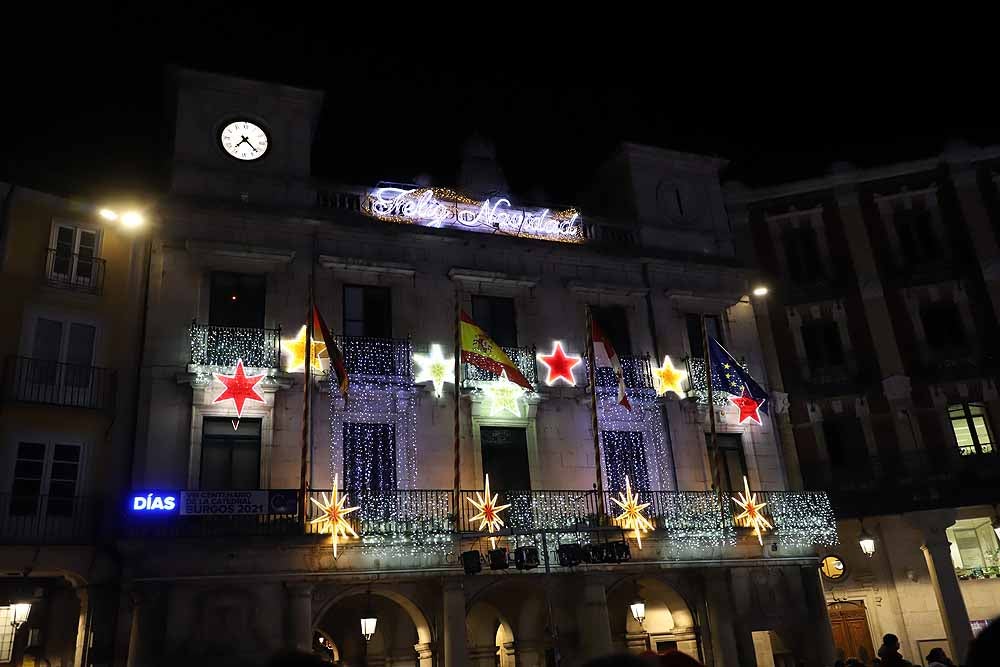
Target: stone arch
{"x": 670, "y": 618}
{"x": 487, "y": 631}
{"x": 328, "y": 642}
{"x": 416, "y": 614}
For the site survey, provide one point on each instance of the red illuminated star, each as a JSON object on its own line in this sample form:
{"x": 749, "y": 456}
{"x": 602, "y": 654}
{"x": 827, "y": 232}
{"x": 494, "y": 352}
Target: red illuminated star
{"x": 239, "y": 387}
{"x": 560, "y": 365}
{"x": 749, "y": 406}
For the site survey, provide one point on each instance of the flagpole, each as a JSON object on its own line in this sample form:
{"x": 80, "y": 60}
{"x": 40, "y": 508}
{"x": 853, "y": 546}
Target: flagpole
{"x": 306, "y": 395}
{"x": 713, "y": 441}
{"x": 593, "y": 414}
{"x": 458, "y": 401}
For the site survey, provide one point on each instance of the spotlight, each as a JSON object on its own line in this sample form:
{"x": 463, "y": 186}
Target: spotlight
{"x": 108, "y": 214}
{"x": 597, "y": 553}
{"x": 498, "y": 559}
{"x": 619, "y": 552}
{"x": 526, "y": 558}
{"x": 571, "y": 555}
{"x": 471, "y": 562}
{"x": 760, "y": 290}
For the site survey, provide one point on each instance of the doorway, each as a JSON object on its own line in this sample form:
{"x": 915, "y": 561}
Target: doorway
{"x": 505, "y": 457}
{"x": 851, "y": 635}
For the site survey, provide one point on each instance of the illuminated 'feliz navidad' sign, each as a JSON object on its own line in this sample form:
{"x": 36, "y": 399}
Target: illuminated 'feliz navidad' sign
{"x": 440, "y": 207}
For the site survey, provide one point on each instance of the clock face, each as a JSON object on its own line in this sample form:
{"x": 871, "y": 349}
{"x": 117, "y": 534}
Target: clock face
{"x": 244, "y": 140}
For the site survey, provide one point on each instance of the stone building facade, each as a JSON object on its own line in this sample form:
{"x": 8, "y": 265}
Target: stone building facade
{"x": 236, "y": 247}
{"x": 882, "y": 322}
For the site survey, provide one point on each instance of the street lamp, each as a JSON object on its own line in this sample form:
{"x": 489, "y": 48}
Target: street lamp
{"x": 19, "y": 614}
{"x": 866, "y": 541}
{"x": 368, "y": 627}
{"x": 130, "y": 219}
{"x": 638, "y": 609}
{"x": 760, "y": 290}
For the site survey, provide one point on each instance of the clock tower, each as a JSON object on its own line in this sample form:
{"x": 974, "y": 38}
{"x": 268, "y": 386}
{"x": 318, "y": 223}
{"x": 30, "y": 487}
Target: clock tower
{"x": 238, "y": 140}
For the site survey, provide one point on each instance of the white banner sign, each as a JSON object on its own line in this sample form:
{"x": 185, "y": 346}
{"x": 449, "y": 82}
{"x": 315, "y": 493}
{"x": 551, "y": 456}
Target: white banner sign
{"x": 223, "y": 502}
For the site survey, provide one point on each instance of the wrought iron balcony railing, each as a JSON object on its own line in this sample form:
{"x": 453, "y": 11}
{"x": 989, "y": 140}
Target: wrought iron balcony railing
{"x": 213, "y": 345}
{"x": 47, "y": 519}
{"x": 74, "y": 271}
{"x": 699, "y": 382}
{"x": 523, "y": 358}
{"x": 377, "y": 357}
{"x": 635, "y": 369}
{"x": 46, "y": 382}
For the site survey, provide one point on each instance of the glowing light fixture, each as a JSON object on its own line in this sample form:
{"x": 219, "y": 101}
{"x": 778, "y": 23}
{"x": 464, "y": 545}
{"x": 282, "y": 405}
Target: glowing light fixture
{"x": 368, "y": 627}
{"x": 108, "y": 214}
{"x": 560, "y": 365}
{"x": 760, "y": 290}
{"x": 502, "y": 396}
{"x": 638, "y": 609}
{"x": 132, "y": 219}
{"x": 434, "y": 368}
{"x": 667, "y": 378}
{"x": 19, "y": 614}
{"x": 632, "y": 517}
{"x": 751, "y": 516}
{"x": 294, "y": 350}
{"x": 866, "y": 541}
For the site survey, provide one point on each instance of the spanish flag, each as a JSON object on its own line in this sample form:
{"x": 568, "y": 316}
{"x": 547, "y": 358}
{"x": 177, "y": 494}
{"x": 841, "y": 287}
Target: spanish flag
{"x": 338, "y": 370}
{"x": 479, "y": 350}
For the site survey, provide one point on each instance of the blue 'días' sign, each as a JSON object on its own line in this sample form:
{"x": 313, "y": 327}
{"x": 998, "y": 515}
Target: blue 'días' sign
{"x": 158, "y": 503}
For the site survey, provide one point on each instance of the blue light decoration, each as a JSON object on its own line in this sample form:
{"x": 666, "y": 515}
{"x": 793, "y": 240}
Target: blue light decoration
{"x": 154, "y": 502}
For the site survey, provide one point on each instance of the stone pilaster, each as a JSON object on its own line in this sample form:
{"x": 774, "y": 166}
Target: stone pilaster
{"x": 454, "y": 624}
{"x": 299, "y": 618}
{"x": 725, "y": 650}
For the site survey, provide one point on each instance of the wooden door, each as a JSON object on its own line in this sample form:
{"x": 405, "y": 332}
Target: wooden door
{"x": 851, "y": 635}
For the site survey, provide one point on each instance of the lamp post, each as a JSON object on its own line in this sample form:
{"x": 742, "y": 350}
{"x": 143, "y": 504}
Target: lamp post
{"x": 866, "y": 541}
{"x": 19, "y": 614}
{"x": 638, "y": 609}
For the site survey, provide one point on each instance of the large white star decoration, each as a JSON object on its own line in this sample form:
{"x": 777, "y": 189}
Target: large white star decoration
{"x": 333, "y": 515}
{"x": 667, "y": 378}
{"x": 489, "y": 511}
{"x": 631, "y": 517}
{"x": 434, "y": 368}
{"x": 502, "y": 396}
{"x": 751, "y": 511}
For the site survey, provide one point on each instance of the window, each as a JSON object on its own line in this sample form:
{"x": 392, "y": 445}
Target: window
{"x": 369, "y": 457}
{"x": 733, "y": 465}
{"x": 824, "y": 350}
{"x": 505, "y": 457}
{"x": 73, "y": 253}
{"x": 367, "y": 312}
{"x": 942, "y": 326}
{"x": 625, "y": 454}
{"x": 971, "y": 427}
{"x": 6, "y": 634}
{"x": 973, "y": 544}
{"x": 237, "y": 300}
{"x": 917, "y": 241}
{"x": 802, "y": 254}
{"x": 696, "y": 342}
{"x": 69, "y": 342}
{"x": 845, "y": 442}
{"x": 230, "y": 458}
{"x": 614, "y": 323}
{"x": 45, "y": 479}
{"x": 496, "y": 316}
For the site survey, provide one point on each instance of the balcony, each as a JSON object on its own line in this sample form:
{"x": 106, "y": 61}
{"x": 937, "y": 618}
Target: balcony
{"x": 636, "y": 371}
{"x": 47, "y": 519}
{"x": 908, "y": 481}
{"x": 523, "y": 358}
{"x": 691, "y": 519}
{"x": 218, "y": 346}
{"x": 365, "y": 356}
{"x": 82, "y": 273}
{"x": 46, "y": 382}
{"x": 699, "y": 382}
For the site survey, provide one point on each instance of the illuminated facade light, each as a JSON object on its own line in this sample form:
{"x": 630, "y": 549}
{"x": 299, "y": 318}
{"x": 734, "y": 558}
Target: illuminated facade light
{"x": 132, "y": 219}
{"x": 560, "y": 365}
{"x": 638, "y": 609}
{"x": 19, "y": 614}
{"x": 631, "y": 517}
{"x": 294, "y": 351}
{"x": 867, "y": 542}
{"x": 108, "y": 214}
{"x": 368, "y": 627}
{"x": 503, "y": 396}
{"x": 751, "y": 515}
{"x": 668, "y": 378}
{"x": 760, "y": 290}
{"x": 434, "y": 368}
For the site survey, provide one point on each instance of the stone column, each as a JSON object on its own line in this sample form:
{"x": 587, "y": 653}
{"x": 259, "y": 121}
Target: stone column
{"x": 80, "y": 651}
{"x": 592, "y": 621}
{"x": 937, "y": 553}
{"x": 725, "y": 651}
{"x": 425, "y": 654}
{"x": 819, "y": 615}
{"x": 509, "y": 654}
{"x": 144, "y": 645}
{"x": 299, "y": 618}
{"x": 454, "y": 624}
{"x": 530, "y": 654}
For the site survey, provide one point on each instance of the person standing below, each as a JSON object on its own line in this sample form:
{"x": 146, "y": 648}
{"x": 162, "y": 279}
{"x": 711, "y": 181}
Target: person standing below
{"x": 889, "y": 652}
{"x": 938, "y": 658}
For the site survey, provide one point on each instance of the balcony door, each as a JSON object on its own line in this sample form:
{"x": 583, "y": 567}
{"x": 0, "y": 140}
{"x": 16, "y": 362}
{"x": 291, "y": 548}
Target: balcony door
{"x": 625, "y": 455}
{"x": 230, "y": 458}
{"x": 731, "y": 459}
{"x": 73, "y": 252}
{"x": 505, "y": 457}
{"x": 45, "y": 480}
{"x": 237, "y": 300}
{"x": 60, "y": 367}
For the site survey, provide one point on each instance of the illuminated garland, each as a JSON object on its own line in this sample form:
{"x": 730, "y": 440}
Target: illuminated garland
{"x": 694, "y": 520}
{"x": 803, "y": 518}
{"x": 699, "y": 383}
{"x": 222, "y": 346}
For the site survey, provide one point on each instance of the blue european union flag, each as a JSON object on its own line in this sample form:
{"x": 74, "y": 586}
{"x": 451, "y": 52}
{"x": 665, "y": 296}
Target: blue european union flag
{"x": 729, "y": 376}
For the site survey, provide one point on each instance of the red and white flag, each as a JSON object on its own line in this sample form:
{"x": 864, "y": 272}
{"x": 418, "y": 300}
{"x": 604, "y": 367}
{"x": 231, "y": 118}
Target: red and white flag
{"x": 605, "y": 355}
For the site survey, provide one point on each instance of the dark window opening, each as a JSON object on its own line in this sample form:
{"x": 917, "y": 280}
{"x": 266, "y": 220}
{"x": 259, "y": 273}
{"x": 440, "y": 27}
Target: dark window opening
{"x": 942, "y": 325}
{"x": 625, "y": 454}
{"x": 230, "y": 457}
{"x": 696, "y": 342}
{"x": 237, "y": 300}
{"x": 496, "y": 316}
{"x": 824, "y": 349}
{"x": 505, "y": 457}
{"x": 802, "y": 254}
{"x": 917, "y": 240}
{"x": 732, "y": 461}
{"x": 845, "y": 442}
{"x": 367, "y": 311}
{"x": 369, "y": 458}
{"x": 614, "y": 323}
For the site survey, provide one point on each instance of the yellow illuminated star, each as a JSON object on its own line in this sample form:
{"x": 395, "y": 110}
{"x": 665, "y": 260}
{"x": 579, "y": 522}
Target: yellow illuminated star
{"x": 751, "y": 516}
{"x": 502, "y": 395}
{"x": 333, "y": 515}
{"x": 489, "y": 511}
{"x": 667, "y": 378}
{"x": 434, "y": 368}
{"x": 294, "y": 350}
{"x": 631, "y": 517}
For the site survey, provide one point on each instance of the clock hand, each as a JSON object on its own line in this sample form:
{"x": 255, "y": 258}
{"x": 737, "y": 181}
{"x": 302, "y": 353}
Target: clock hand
{"x": 248, "y": 144}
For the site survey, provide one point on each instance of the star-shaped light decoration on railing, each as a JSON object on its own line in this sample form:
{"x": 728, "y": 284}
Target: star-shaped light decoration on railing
{"x": 333, "y": 515}
{"x": 502, "y": 396}
{"x": 434, "y": 368}
{"x": 667, "y": 378}
{"x": 631, "y": 517}
{"x": 751, "y": 516}
{"x": 560, "y": 365}
{"x": 294, "y": 351}
{"x": 749, "y": 406}
{"x": 489, "y": 511}
{"x": 240, "y": 388}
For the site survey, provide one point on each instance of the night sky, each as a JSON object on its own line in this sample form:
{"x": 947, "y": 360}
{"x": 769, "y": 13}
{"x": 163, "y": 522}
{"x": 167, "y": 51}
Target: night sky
{"x": 90, "y": 116}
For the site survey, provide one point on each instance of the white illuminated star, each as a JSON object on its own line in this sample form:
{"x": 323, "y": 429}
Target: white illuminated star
{"x": 333, "y": 515}
{"x": 751, "y": 511}
{"x": 502, "y": 396}
{"x": 434, "y": 368}
{"x": 631, "y": 517}
{"x": 489, "y": 511}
